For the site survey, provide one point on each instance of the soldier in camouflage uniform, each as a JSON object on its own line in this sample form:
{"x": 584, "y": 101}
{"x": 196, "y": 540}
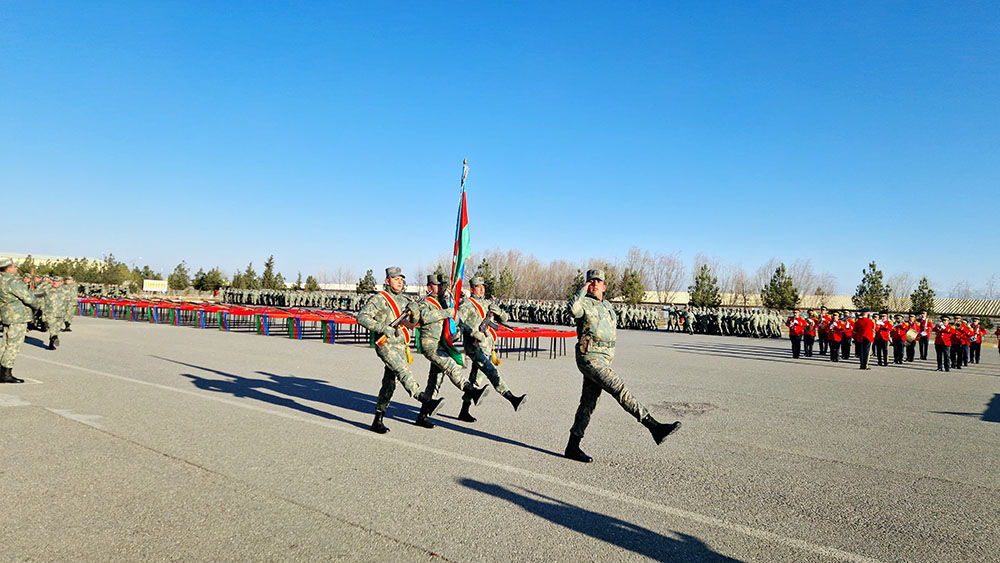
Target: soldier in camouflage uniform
{"x": 431, "y": 314}
{"x": 53, "y": 305}
{"x": 15, "y": 300}
{"x": 69, "y": 288}
{"x": 479, "y": 345}
{"x": 393, "y": 346}
{"x": 595, "y": 350}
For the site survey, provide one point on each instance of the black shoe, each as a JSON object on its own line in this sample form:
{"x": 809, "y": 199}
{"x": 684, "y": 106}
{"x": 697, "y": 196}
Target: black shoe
{"x": 515, "y": 401}
{"x": 476, "y": 394}
{"x": 659, "y": 430}
{"x": 377, "y": 425}
{"x": 465, "y": 416}
{"x": 7, "y": 376}
{"x": 428, "y": 409}
{"x": 574, "y": 452}
{"x": 67, "y": 329}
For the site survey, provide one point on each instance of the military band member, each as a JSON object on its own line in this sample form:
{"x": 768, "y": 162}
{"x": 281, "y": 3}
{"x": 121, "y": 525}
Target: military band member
{"x": 883, "y": 334}
{"x": 809, "y": 337}
{"x": 393, "y": 346}
{"x": 824, "y": 335}
{"x": 976, "y": 341}
{"x": 898, "y": 336}
{"x": 595, "y": 350}
{"x": 479, "y": 345}
{"x": 911, "y": 345}
{"x": 924, "y": 333}
{"x": 847, "y": 337}
{"x": 864, "y": 335}
{"x": 796, "y": 328}
{"x": 432, "y": 313}
{"x": 16, "y": 302}
{"x": 942, "y": 344}
{"x": 834, "y": 333}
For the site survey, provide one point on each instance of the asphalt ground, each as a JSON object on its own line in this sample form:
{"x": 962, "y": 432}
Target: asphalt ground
{"x": 152, "y": 442}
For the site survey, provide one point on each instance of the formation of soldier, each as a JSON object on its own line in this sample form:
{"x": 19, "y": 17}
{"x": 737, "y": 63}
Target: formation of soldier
{"x": 755, "y": 323}
{"x": 45, "y": 303}
{"x": 332, "y": 300}
{"x": 101, "y": 291}
{"x": 632, "y": 317}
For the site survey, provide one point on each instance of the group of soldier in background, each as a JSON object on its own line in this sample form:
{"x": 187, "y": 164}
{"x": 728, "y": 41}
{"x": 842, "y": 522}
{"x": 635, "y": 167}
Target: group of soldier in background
{"x": 332, "y": 300}
{"x": 725, "y": 322}
{"x": 43, "y": 303}
{"x": 632, "y": 317}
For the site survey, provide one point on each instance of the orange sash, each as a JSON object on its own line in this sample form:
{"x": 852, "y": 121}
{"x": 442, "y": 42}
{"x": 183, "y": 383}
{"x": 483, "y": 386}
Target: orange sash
{"x": 396, "y": 313}
{"x": 482, "y": 315}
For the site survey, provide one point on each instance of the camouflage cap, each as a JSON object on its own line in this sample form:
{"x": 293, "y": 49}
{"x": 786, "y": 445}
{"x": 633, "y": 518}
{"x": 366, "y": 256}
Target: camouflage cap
{"x": 6, "y": 262}
{"x": 56, "y": 278}
{"x": 69, "y": 278}
{"x": 433, "y": 279}
{"x": 477, "y": 281}
{"x": 444, "y": 280}
{"x": 394, "y": 272}
{"x": 597, "y": 274}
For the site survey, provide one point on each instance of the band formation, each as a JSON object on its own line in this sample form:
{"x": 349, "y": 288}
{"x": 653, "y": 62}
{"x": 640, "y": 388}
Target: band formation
{"x": 956, "y": 345}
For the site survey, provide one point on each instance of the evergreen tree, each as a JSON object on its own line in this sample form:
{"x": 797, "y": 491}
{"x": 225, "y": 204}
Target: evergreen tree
{"x": 780, "y": 293}
{"x": 631, "y": 287}
{"x": 179, "y": 278}
{"x": 298, "y": 283}
{"x": 269, "y": 279}
{"x": 872, "y": 292}
{"x": 311, "y": 284}
{"x": 112, "y": 271}
{"x": 237, "y": 281}
{"x": 922, "y": 298}
{"x": 505, "y": 283}
{"x": 489, "y": 280}
{"x": 27, "y": 266}
{"x": 578, "y": 282}
{"x": 705, "y": 291}
{"x": 366, "y": 284}
{"x": 250, "y": 279}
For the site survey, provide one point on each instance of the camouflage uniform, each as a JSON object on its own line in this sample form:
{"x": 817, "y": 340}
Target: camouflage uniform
{"x": 595, "y": 350}
{"x": 70, "y": 295}
{"x": 16, "y": 302}
{"x": 431, "y": 315}
{"x": 479, "y": 346}
{"x": 394, "y": 351}
{"x": 53, "y": 305}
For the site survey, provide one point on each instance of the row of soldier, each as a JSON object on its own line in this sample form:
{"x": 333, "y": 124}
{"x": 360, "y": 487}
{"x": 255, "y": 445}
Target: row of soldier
{"x": 530, "y": 311}
{"x": 45, "y": 303}
{"x": 332, "y": 300}
{"x": 725, "y": 322}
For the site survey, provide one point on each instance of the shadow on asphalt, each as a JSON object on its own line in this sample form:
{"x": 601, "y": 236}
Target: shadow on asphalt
{"x": 620, "y": 533}
{"x": 991, "y": 414}
{"x": 320, "y": 391}
{"x": 36, "y": 342}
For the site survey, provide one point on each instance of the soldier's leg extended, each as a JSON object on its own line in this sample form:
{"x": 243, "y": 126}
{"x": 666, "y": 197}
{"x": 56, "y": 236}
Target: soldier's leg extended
{"x": 483, "y": 360}
{"x": 54, "y": 325}
{"x": 13, "y": 338}
{"x": 397, "y": 368}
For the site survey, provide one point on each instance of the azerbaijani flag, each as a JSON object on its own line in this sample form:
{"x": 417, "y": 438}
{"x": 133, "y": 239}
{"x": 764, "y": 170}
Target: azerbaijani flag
{"x": 458, "y": 268}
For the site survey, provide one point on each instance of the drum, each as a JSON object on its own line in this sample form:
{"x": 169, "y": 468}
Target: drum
{"x": 911, "y": 335}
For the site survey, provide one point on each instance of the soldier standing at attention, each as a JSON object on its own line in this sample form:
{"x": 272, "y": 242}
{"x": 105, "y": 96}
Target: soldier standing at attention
{"x": 432, "y": 312}
{"x": 393, "y": 347}
{"x": 595, "y": 349}
{"x": 479, "y": 345}
{"x": 15, "y": 300}
{"x": 69, "y": 286}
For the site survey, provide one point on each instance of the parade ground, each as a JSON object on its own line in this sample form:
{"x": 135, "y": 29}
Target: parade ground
{"x": 137, "y": 442}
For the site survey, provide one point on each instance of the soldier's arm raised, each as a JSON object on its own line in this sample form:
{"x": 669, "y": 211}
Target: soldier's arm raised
{"x": 575, "y": 305}
{"x": 21, "y": 291}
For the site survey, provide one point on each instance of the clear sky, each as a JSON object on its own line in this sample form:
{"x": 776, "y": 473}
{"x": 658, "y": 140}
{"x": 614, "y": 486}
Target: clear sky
{"x": 332, "y": 134}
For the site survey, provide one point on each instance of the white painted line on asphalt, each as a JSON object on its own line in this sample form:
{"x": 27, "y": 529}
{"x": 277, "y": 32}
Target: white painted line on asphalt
{"x": 12, "y": 401}
{"x": 596, "y": 491}
{"x": 88, "y": 419}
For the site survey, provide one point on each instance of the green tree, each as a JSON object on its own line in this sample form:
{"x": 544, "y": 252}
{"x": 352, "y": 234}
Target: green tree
{"x": 250, "y": 279}
{"x": 489, "y": 280}
{"x": 209, "y": 281}
{"x": 505, "y": 283}
{"x": 199, "y": 279}
{"x": 311, "y": 284}
{"x": 631, "y": 287}
{"x": 872, "y": 293}
{"x": 705, "y": 290}
{"x": 269, "y": 279}
{"x": 922, "y": 298}
{"x": 366, "y": 284}
{"x": 27, "y": 266}
{"x": 113, "y": 271}
{"x": 179, "y": 278}
{"x": 575, "y": 285}
{"x": 298, "y": 283}
{"x": 780, "y": 293}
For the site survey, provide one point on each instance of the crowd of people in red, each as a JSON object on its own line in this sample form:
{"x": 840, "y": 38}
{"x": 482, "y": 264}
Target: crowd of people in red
{"x": 956, "y": 345}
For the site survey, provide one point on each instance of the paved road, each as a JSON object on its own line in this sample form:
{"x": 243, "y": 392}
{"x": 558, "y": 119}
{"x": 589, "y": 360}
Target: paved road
{"x": 153, "y": 442}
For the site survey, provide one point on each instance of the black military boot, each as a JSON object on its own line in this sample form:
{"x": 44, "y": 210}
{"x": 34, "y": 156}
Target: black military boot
{"x": 515, "y": 401}
{"x": 7, "y": 376}
{"x": 574, "y": 452}
{"x": 53, "y": 342}
{"x": 377, "y": 425}
{"x": 465, "y": 416}
{"x": 428, "y": 408}
{"x": 475, "y": 394}
{"x": 67, "y": 329}
{"x": 659, "y": 430}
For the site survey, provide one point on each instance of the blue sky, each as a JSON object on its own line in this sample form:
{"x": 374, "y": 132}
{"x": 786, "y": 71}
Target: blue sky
{"x": 332, "y": 134}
